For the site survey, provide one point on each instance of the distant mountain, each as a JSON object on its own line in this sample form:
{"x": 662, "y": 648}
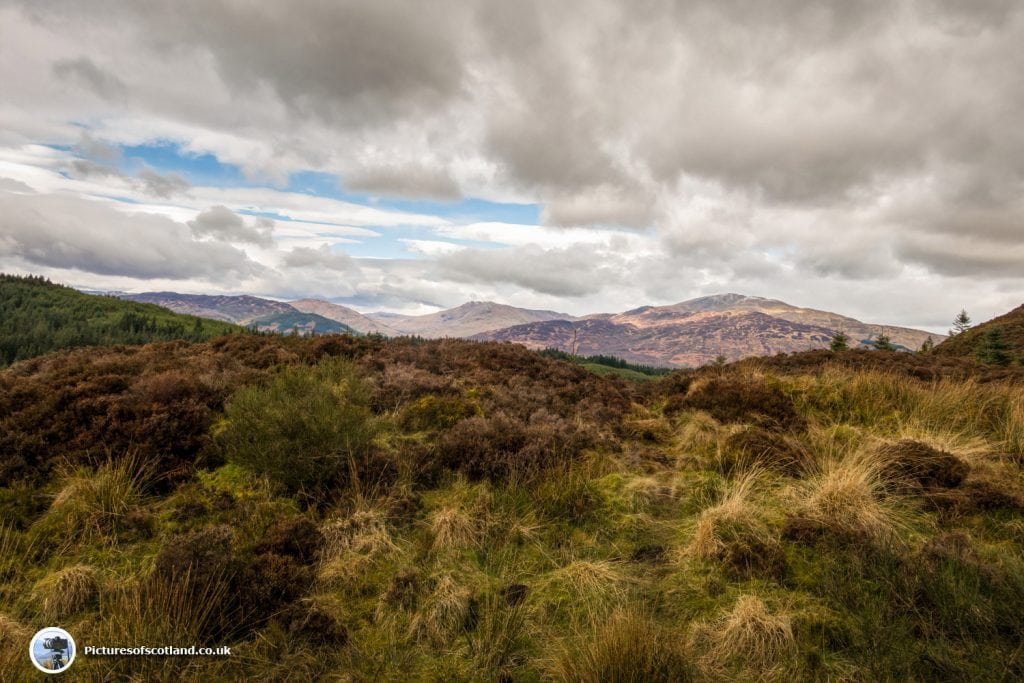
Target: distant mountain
{"x": 695, "y": 332}
{"x": 466, "y": 320}
{"x": 738, "y": 303}
{"x": 1006, "y": 331}
{"x": 303, "y": 324}
{"x": 37, "y": 316}
{"x": 342, "y": 314}
{"x": 235, "y": 309}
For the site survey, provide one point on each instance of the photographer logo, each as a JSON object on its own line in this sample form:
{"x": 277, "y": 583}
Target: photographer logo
{"x": 52, "y": 650}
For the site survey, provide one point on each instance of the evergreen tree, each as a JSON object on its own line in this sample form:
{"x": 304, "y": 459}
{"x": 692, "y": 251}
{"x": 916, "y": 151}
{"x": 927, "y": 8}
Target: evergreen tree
{"x": 883, "y": 343}
{"x": 927, "y": 345}
{"x": 994, "y": 350}
{"x": 961, "y": 323}
{"x": 840, "y": 341}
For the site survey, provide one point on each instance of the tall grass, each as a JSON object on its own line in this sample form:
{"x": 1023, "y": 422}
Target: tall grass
{"x": 627, "y": 647}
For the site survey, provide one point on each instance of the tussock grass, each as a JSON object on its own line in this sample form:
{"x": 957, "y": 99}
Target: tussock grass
{"x": 698, "y": 437}
{"x": 152, "y": 611}
{"x": 91, "y": 504}
{"x": 750, "y": 637}
{"x": 849, "y": 498}
{"x": 628, "y": 647}
{"x": 584, "y": 587}
{"x": 66, "y": 592}
{"x": 733, "y": 532}
{"x": 354, "y": 543}
{"x": 454, "y": 529}
{"x": 447, "y": 610}
{"x": 500, "y": 638}
{"x": 14, "y": 638}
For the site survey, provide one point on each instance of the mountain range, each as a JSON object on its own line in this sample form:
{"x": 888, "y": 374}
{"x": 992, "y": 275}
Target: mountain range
{"x": 687, "y": 334}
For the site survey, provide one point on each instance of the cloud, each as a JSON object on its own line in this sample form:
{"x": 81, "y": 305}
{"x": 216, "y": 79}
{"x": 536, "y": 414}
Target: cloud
{"x": 571, "y": 272}
{"x": 62, "y": 231}
{"x": 84, "y": 71}
{"x": 221, "y": 223}
{"x": 821, "y": 145}
{"x": 162, "y": 184}
{"x": 411, "y": 180}
{"x": 322, "y": 257}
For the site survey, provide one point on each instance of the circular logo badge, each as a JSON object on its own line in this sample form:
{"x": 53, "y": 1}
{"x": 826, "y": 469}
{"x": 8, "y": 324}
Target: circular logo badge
{"x": 52, "y": 650}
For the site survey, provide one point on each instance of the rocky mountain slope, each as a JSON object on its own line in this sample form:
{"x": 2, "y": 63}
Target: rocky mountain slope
{"x": 346, "y": 316}
{"x": 467, "y": 320}
{"x": 236, "y": 309}
{"x": 695, "y": 332}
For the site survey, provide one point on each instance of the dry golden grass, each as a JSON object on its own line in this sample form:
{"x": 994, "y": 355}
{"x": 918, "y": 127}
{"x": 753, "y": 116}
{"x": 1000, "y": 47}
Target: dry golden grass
{"x": 444, "y": 613}
{"x": 589, "y": 587}
{"x": 751, "y": 637}
{"x": 849, "y": 497}
{"x": 66, "y": 592}
{"x": 627, "y": 647}
{"x": 89, "y": 505}
{"x": 352, "y": 544}
{"x": 736, "y": 514}
{"x": 455, "y": 529}
{"x": 698, "y": 436}
{"x": 14, "y": 639}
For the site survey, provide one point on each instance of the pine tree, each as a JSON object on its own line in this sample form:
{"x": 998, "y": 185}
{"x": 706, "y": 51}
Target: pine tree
{"x": 927, "y": 345}
{"x": 961, "y": 323}
{"x": 994, "y": 350}
{"x": 883, "y": 343}
{"x": 840, "y": 341}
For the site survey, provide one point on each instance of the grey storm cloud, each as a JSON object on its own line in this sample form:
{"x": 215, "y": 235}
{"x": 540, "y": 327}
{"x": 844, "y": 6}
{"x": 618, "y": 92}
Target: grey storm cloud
{"x": 63, "y": 231}
{"x": 221, "y": 223}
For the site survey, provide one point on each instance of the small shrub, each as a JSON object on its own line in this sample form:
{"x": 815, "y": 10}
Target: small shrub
{"x": 295, "y": 537}
{"x": 758, "y": 447}
{"x": 742, "y": 399}
{"x": 916, "y": 465}
{"x": 309, "y": 429}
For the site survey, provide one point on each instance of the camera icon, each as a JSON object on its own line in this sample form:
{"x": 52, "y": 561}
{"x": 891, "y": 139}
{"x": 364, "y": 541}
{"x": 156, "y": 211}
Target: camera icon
{"x": 52, "y": 650}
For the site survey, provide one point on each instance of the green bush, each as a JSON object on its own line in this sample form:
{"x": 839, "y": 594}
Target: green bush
{"x": 308, "y": 430}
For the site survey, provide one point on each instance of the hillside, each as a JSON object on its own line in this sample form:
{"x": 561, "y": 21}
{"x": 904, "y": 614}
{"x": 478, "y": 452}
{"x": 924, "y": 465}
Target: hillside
{"x": 37, "y": 316}
{"x": 342, "y": 314}
{"x": 302, "y": 324}
{"x": 738, "y": 303}
{"x": 466, "y": 320}
{"x": 444, "y": 510}
{"x": 1005, "y": 332}
{"x": 236, "y": 309}
{"x": 695, "y": 332}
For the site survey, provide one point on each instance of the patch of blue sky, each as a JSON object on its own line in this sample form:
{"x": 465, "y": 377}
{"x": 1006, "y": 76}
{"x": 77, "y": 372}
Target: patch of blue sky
{"x": 466, "y": 210}
{"x": 198, "y": 169}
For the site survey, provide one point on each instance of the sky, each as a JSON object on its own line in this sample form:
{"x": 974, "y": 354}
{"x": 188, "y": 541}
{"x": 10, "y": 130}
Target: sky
{"x": 583, "y": 156}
